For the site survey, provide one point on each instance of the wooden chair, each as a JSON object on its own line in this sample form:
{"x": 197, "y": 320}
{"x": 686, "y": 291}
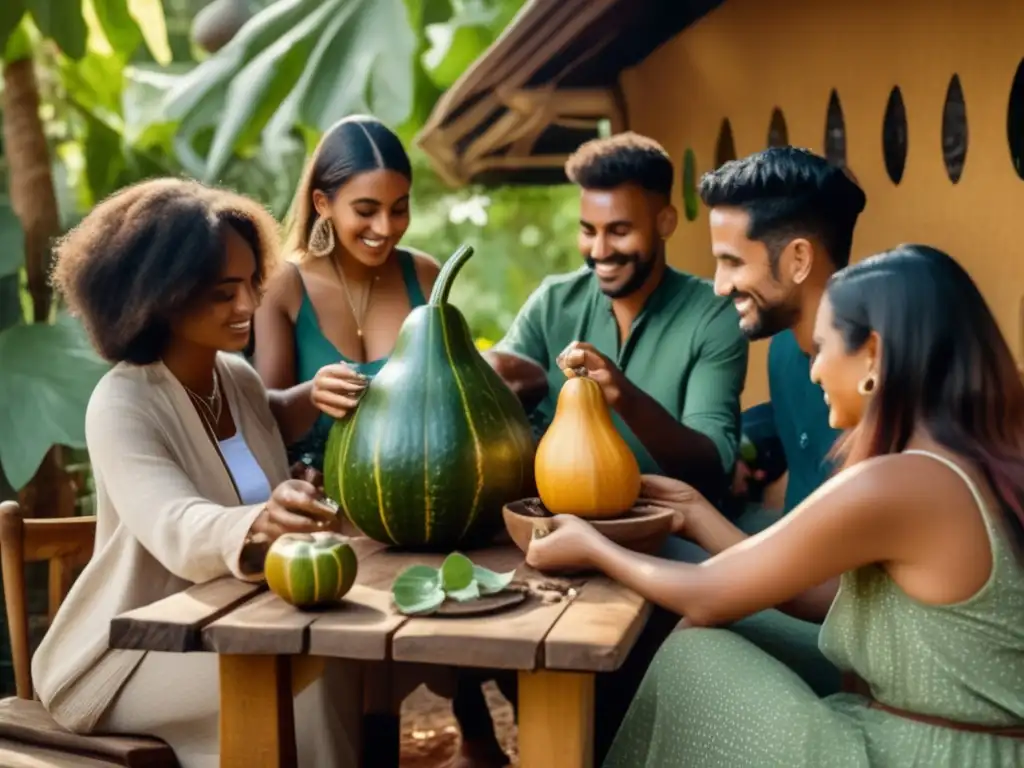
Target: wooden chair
{"x": 28, "y": 735}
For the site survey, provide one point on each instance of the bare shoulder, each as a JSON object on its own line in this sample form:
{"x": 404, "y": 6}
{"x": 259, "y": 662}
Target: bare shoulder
{"x": 901, "y": 486}
{"x": 284, "y": 288}
{"x": 427, "y": 268}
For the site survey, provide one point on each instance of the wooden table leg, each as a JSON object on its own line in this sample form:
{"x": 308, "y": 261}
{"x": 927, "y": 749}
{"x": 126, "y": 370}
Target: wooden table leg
{"x": 556, "y": 719}
{"x": 257, "y": 722}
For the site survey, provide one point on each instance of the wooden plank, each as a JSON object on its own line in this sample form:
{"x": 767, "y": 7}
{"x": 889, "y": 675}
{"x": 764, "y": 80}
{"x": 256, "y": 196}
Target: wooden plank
{"x": 511, "y": 639}
{"x": 556, "y": 719}
{"x": 361, "y": 628}
{"x": 175, "y": 623}
{"x": 14, "y": 755}
{"x": 28, "y": 723}
{"x": 598, "y": 629}
{"x": 264, "y": 625}
{"x": 257, "y": 720}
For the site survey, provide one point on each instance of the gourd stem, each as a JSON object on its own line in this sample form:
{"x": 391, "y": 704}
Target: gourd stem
{"x": 445, "y": 278}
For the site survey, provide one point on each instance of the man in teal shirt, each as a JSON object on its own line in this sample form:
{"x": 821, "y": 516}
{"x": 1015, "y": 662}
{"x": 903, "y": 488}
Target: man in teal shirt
{"x": 668, "y": 353}
{"x": 669, "y": 356}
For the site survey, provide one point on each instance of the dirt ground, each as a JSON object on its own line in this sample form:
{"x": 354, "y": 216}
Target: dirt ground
{"x": 430, "y": 735}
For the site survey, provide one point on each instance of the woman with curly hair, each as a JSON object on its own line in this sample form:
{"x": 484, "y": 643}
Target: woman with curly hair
{"x": 187, "y": 450}
{"x": 912, "y": 555}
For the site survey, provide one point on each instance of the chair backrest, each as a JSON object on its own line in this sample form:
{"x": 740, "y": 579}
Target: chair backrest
{"x": 64, "y": 542}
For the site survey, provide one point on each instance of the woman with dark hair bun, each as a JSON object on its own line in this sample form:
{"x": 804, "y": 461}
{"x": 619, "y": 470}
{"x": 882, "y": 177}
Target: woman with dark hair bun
{"x": 189, "y": 463}
{"x": 912, "y": 555}
{"x": 348, "y": 288}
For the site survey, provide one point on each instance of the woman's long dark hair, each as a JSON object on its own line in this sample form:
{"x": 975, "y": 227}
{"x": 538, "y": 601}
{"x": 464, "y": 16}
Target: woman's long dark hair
{"x": 944, "y": 366}
{"x": 353, "y": 145}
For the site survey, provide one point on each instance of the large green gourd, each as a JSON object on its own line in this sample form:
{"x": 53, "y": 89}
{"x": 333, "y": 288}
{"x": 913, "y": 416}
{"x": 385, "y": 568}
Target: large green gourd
{"x": 438, "y": 443}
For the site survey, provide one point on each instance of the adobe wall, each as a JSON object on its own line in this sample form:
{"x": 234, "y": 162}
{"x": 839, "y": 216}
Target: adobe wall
{"x": 749, "y": 57}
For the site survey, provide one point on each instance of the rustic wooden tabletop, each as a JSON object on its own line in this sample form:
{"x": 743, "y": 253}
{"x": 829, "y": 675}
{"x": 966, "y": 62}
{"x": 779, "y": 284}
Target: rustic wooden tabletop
{"x": 563, "y": 633}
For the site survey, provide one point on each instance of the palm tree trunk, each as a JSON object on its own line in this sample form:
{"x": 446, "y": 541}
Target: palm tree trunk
{"x": 33, "y": 197}
{"x": 34, "y": 200}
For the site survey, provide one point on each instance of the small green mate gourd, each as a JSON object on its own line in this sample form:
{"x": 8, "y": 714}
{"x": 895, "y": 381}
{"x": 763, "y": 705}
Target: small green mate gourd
{"x": 438, "y": 443}
{"x": 310, "y": 570}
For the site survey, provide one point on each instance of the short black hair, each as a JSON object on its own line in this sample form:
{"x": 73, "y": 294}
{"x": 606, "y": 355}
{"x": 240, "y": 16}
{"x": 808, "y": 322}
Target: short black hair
{"x": 147, "y": 253}
{"x": 625, "y": 158}
{"x": 789, "y": 192}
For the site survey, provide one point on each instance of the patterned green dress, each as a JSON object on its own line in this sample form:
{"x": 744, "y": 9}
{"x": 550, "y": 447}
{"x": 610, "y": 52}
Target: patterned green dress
{"x": 711, "y": 699}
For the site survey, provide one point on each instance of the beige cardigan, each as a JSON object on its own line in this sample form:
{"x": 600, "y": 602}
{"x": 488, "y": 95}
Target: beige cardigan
{"x": 168, "y": 517}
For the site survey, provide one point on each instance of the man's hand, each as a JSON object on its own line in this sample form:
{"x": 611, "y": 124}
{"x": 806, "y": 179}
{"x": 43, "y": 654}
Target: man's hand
{"x": 581, "y": 357}
{"x": 743, "y": 477}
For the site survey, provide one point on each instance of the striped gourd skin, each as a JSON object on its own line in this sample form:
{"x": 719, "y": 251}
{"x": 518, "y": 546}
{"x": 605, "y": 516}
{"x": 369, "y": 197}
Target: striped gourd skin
{"x": 311, "y": 570}
{"x": 437, "y": 445}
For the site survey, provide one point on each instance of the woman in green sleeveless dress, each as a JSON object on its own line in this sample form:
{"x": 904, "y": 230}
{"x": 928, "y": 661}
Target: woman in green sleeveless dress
{"x": 923, "y": 526}
{"x": 348, "y": 288}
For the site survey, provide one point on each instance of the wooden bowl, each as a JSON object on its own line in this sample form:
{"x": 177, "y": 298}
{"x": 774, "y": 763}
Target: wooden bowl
{"x": 641, "y": 530}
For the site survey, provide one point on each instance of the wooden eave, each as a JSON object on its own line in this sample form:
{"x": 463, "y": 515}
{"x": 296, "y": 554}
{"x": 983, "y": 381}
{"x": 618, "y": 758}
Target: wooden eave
{"x": 544, "y": 87}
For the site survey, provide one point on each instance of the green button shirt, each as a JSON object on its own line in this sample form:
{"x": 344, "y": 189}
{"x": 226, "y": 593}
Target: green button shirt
{"x": 685, "y": 349}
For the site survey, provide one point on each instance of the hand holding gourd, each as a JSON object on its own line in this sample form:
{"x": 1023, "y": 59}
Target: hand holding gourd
{"x": 569, "y": 545}
{"x": 336, "y": 389}
{"x": 582, "y": 355}
{"x": 295, "y": 506}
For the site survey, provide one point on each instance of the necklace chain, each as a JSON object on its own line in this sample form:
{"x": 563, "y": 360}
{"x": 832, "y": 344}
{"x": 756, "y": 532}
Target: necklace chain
{"x": 213, "y": 405}
{"x": 361, "y": 315}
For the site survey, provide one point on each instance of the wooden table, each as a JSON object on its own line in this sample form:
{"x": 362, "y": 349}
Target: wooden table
{"x": 556, "y": 647}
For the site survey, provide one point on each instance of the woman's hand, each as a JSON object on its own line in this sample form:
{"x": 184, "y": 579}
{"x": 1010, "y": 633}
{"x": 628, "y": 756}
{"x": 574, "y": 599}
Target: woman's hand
{"x": 685, "y": 500}
{"x": 337, "y": 389}
{"x": 295, "y": 506}
{"x": 569, "y": 544}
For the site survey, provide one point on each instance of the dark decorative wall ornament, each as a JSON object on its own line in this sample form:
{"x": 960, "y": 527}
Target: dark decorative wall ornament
{"x": 954, "y": 130}
{"x": 725, "y": 149}
{"x": 1015, "y": 121}
{"x": 894, "y": 136}
{"x": 835, "y": 131}
{"x": 691, "y": 201}
{"x": 778, "y": 133}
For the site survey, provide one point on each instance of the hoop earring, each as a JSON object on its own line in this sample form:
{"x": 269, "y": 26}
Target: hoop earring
{"x": 321, "y": 238}
{"x": 866, "y": 385}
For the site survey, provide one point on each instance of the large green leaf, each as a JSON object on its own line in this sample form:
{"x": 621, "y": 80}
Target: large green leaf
{"x": 62, "y": 21}
{"x": 47, "y": 373}
{"x": 12, "y": 242}
{"x": 296, "y": 64}
{"x": 11, "y": 12}
{"x": 121, "y": 30}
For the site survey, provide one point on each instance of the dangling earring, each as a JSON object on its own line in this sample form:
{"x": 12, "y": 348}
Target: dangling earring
{"x": 866, "y": 385}
{"x": 321, "y": 238}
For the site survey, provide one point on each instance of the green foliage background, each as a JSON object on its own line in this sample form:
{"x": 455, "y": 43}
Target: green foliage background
{"x": 127, "y": 95}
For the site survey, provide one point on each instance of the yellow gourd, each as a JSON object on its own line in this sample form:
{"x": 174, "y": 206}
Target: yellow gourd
{"x": 583, "y": 466}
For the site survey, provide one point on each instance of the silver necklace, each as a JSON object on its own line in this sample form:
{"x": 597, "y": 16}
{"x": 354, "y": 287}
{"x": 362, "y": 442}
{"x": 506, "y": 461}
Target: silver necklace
{"x": 214, "y": 404}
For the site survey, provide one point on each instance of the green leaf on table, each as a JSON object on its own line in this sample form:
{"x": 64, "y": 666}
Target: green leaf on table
{"x": 417, "y": 590}
{"x": 490, "y": 582}
{"x": 12, "y": 242}
{"x": 456, "y": 572}
{"x": 471, "y": 592}
{"x": 47, "y": 374}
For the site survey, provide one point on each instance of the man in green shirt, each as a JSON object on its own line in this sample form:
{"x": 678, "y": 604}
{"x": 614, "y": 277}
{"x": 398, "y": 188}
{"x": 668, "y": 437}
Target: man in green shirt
{"x": 667, "y": 352}
{"x": 669, "y": 356}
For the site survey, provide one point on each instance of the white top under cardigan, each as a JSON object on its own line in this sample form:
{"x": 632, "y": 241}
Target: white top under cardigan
{"x": 168, "y": 516}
